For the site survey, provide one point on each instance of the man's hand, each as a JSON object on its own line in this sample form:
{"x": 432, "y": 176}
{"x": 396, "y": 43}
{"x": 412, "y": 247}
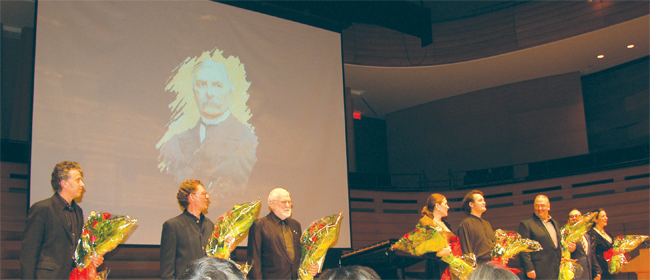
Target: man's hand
{"x": 444, "y": 252}
{"x": 571, "y": 246}
{"x": 531, "y": 274}
{"x": 313, "y": 269}
{"x": 97, "y": 260}
{"x": 597, "y": 277}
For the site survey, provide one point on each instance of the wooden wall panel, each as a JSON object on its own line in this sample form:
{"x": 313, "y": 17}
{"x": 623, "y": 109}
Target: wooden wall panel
{"x": 510, "y": 29}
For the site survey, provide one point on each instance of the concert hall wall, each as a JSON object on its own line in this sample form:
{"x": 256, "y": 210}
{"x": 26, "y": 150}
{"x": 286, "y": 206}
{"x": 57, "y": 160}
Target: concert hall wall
{"x": 513, "y": 124}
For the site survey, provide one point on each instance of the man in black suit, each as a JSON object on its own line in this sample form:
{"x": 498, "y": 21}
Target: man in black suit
{"x": 53, "y": 228}
{"x": 475, "y": 234}
{"x": 184, "y": 237}
{"x": 274, "y": 241}
{"x": 583, "y": 252}
{"x": 544, "y": 264}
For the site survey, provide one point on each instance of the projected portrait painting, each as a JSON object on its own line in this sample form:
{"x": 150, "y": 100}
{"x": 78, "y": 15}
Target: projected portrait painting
{"x": 208, "y": 136}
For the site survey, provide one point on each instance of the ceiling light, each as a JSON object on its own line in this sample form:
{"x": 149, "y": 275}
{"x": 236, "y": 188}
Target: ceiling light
{"x": 357, "y": 92}
{"x": 630, "y": 46}
{"x": 600, "y": 56}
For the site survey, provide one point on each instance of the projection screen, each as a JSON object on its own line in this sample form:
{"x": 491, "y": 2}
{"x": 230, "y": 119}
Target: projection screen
{"x": 147, "y": 94}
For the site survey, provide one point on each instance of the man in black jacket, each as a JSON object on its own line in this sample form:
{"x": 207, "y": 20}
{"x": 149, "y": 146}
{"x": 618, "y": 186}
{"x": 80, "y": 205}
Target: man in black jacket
{"x": 274, "y": 241}
{"x": 53, "y": 228}
{"x": 583, "y": 251}
{"x": 544, "y": 264}
{"x": 475, "y": 234}
{"x": 184, "y": 237}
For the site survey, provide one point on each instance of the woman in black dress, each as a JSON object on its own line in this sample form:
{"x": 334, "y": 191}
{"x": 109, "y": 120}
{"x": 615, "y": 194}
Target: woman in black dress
{"x": 602, "y": 242}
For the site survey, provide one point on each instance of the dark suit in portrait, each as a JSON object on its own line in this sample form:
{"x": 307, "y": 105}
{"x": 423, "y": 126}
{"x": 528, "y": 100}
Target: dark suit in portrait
{"x": 183, "y": 240}
{"x": 546, "y": 262}
{"x": 223, "y": 161}
{"x": 48, "y": 242}
{"x": 267, "y": 249}
{"x": 587, "y": 259}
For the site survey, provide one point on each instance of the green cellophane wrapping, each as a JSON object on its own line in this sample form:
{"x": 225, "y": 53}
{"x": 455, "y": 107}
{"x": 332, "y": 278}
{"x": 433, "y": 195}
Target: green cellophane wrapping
{"x": 101, "y": 234}
{"x": 508, "y": 244}
{"x": 622, "y": 244}
{"x": 315, "y": 241}
{"x": 231, "y": 228}
{"x": 569, "y": 269}
{"x": 428, "y": 238}
{"x": 461, "y": 267}
{"x": 573, "y": 232}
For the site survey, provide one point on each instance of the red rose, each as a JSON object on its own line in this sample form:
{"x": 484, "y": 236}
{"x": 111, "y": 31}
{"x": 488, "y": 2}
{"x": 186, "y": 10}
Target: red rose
{"x": 220, "y": 218}
{"x": 85, "y": 231}
{"x": 620, "y": 237}
{"x": 313, "y": 239}
{"x": 95, "y": 223}
{"x": 216, "y": 233}
{"x": 93, "y": 238}
{"x": 321, "y": 226}
{"x": 106, "y": 216}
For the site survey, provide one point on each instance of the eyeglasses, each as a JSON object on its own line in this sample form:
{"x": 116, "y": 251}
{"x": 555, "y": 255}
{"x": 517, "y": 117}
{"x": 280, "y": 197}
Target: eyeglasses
{"x": 202, "y": 194}
{"x": 287, "y": 203}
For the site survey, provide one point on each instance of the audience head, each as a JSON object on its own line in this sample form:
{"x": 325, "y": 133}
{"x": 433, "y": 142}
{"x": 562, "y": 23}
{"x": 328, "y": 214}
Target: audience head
{"x": 352, "y": 272}
{"x": 211, "y": 268}
{"x": 489, "y": 272}
{"x": 474, "y": 202}
{"x": 435, "y": 202}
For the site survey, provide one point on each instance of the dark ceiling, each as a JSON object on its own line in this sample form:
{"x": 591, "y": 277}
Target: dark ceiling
{"x": 409, "y": 17}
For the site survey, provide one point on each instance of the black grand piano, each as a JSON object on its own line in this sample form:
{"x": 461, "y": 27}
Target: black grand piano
{"x": 388, "y": 264}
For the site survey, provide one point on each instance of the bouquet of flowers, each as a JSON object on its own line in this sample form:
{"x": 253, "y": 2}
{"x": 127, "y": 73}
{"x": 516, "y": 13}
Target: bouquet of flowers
{"x": 100, "y": 234}
{"x": 573, "y": 232}
{"x": 507, "y": 245}
{"x": 569, "y": 269}
{"x": 462, "y": 266}
{"x": 315, "y": 241}
{"x": 427, "y": 238}
{"x": 424, "y": 239}
{"x": 231, "y": 227}
{"x": 616, "y": 256}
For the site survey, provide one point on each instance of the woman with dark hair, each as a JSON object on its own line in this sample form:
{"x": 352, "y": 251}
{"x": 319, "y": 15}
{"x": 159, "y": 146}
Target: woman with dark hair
{"x": 212, "y": 268}
{"x": 432, "y": 215}
{"x": 602, "y": 242}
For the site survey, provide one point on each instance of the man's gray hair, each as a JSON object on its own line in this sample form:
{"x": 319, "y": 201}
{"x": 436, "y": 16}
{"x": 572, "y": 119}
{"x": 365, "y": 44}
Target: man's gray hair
{"x": 489, "y": 272}
{"x": 212, "y": 268}
{"x": 275, "y": 193}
